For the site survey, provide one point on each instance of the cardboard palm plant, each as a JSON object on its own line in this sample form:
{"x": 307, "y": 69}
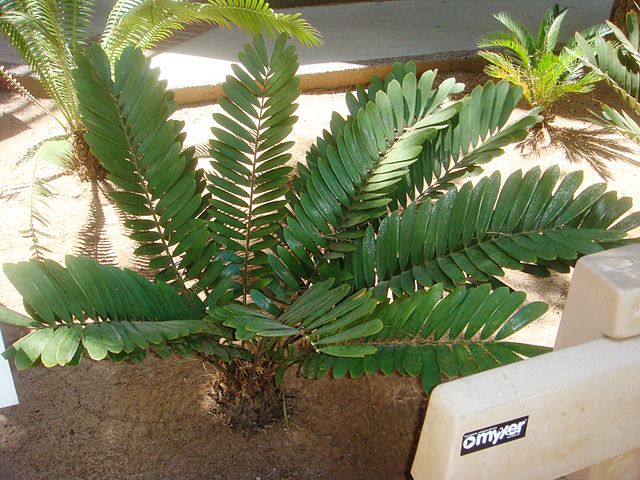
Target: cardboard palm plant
{"x": 371, "y": 257}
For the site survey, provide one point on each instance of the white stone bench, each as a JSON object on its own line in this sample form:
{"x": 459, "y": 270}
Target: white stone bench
{"x": 573, "y": 412}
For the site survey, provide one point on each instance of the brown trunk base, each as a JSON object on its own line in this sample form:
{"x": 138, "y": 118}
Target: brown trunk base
{"x": 83, "y": 162}
{"x": 538, "y": 139}
{"x": 246, "y": 400}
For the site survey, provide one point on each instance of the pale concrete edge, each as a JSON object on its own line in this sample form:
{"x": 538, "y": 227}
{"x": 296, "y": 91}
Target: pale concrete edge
{"x": 330, "y": 80}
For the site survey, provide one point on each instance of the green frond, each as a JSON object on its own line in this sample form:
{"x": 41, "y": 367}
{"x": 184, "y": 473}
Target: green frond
{"x": 622, "y": 121}
{"x": 514, "y": 51}
{"x": 351, "y": 170}
{"x": 590, "y": 34}
{"x": 501, "y": 67}
{"x": 326, "y": 317}
{"x": 544, "y": 74}
{"x": 129, "y": 131}
{"x": 97, "y": 309}
{"x": 249, "y": 175}
{"x": 433, "y": 336}
{"x": 518, "y": 29}
{"x": 474, "y": 136}
{"x": 556, "y": 75}
{"x": 10, "y": 31}
{"x": 584, "y": 84}
{"x": 618, "y": 63}
{"x": 630, "y": 43}
{"x": 256, "y": 16}
{"x": 142, "y": 23}
{"x": 633, "y": 28}
{"x": 477, "y": 231}
{"x": 75, "y": 17}
{"x": 549, "y": 29}
{"x": 605, "y": 60}
{"x": 35, "y": 29}
{"x": 369, "y": 262}
{"x": 419, "y": 164}
{"x": 39, "y": 25}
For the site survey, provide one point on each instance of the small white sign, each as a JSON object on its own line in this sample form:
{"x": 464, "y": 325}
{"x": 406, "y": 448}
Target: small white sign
{"x": 8, "y": 395}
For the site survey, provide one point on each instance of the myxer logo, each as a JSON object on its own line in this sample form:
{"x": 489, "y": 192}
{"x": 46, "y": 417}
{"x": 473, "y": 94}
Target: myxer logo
{"x": 494, "y": 435}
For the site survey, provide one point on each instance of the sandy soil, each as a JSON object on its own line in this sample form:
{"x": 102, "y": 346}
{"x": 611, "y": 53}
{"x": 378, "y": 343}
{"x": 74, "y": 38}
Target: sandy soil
{"x": 151, "y": 421}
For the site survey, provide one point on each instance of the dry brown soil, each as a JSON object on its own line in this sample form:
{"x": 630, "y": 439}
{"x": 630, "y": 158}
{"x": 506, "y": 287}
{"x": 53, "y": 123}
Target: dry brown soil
{"x": 151, "y": 421}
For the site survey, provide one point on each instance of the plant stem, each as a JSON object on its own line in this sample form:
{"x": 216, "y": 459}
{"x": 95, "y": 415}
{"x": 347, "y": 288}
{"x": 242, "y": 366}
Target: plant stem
{"x": 247, "y": 244}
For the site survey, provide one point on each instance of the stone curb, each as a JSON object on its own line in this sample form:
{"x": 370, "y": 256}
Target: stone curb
{"x": 344, "y": 78}
{"x": 338, "y": 78}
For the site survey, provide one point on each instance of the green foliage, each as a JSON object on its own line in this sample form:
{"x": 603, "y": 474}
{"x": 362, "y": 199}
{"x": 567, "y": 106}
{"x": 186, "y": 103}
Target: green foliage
{"x": 617, "y": 61}
{"x": 46, "y": 34}
{"x": 432, "y": 145}
{"x": 321, "y": 315}
{"x": 250, "y": 155}
{"x": 534, "y": 63}
{"x": 142, "y": 23}
{"x": 99, "y": 308}
{"x": 157, "y": 180}
{"x": 373, "y": 257}
{"x": 435, "y": 337}
{"x": 476, "y": 232}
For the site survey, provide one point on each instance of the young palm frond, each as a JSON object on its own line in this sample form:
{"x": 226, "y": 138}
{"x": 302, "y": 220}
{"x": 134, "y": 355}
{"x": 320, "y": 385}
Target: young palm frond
{"x": 546, "y": 75}
{"x": 40, "y": 31}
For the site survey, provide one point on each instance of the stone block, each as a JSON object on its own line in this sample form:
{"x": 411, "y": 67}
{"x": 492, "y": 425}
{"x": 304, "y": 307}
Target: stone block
{"x": 604, "y": 298}
{"x": 580, "y": 405}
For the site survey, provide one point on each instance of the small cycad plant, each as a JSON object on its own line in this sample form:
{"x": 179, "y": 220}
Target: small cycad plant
{"x": 372, "y": 256}
{"x": 545, "y": 73}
